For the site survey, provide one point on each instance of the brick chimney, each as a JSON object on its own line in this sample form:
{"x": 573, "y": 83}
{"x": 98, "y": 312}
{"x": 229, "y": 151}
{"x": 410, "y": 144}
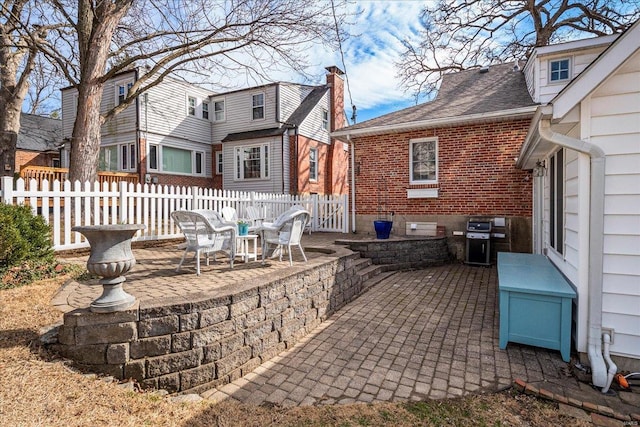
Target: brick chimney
{"x": 336, "y": 83}
{"x": 337, "y": 156}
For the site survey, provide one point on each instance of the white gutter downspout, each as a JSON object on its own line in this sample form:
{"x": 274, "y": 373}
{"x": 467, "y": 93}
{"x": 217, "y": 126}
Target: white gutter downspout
{"x": 353, "y": 184}
{"x": 596, "y": 241}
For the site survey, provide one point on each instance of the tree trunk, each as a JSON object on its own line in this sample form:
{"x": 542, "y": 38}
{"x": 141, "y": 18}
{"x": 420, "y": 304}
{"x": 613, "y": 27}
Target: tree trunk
{"x": 96, "y": 26}
{"x": 9, "y": 128}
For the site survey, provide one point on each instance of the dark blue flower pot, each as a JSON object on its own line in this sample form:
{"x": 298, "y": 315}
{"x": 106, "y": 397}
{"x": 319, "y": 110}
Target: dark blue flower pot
{"x": 383, "y": 228}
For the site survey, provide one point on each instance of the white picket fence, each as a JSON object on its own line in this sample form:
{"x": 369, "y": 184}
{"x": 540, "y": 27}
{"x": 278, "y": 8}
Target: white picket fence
{"x": 64, "y": 206}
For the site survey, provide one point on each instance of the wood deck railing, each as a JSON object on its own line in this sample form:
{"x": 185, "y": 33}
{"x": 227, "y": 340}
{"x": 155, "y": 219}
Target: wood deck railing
{"x": 40, "y": 173}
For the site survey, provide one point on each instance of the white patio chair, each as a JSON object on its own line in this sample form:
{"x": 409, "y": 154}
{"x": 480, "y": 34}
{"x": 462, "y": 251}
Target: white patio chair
{"x": 254, "y": 216}
{"x": 308, "y": 226}
{"x": 285, "y": 231}
{"x": 205, "y": 232}
{"x": 229, "y": 214}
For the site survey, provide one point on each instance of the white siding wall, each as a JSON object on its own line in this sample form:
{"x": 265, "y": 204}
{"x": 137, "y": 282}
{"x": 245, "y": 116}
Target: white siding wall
{"x": 238, "y": 116}
{"x": 312, "y": 126}
{"x": 164, "y": 111}
{"x": 615, "y": 126}
{"x": 291, "y": 96}
{"x": 546, "y": 90}
{"x": 273, "y": 184}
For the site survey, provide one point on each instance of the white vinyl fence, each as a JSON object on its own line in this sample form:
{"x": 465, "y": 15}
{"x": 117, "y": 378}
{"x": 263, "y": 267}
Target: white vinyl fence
{"x": 64, "y": 206}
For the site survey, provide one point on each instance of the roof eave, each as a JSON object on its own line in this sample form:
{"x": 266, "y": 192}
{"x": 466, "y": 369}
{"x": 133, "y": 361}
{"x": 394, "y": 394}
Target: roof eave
{"x": 515, "y": 113}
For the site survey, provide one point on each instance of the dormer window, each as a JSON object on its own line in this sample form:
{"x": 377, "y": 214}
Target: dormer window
{"x": 559, "y": 70}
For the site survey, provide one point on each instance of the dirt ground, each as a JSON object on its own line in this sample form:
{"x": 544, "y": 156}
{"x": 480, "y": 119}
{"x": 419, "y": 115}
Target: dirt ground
{"x": 40, "y": 389}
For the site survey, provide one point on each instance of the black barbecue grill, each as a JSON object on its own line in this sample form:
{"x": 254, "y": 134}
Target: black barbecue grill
{"x": 478, "y": 242}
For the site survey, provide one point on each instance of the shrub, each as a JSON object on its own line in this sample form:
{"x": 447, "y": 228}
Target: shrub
{"x": 23, "y": 237}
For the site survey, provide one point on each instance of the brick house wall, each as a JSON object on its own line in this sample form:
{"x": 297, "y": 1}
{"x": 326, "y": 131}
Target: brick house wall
{"x": 33, "y": 158}
{"x": 476, "y": 177}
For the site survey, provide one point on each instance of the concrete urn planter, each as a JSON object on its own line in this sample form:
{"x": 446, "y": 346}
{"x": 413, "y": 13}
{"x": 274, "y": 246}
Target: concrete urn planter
{"x": 111, "y": 257}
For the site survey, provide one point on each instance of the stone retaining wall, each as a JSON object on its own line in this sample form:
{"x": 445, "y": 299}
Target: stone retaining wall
{"x": 206, "y": 342}
{"x": 403, "y": 253}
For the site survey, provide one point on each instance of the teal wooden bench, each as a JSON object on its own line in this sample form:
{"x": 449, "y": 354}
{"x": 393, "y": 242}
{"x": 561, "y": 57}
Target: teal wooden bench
{"x": 535, "y": 303}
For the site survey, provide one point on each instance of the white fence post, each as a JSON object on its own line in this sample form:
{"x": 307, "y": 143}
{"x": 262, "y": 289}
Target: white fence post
{"x": 122, "y": 218}
{"x": 7, "y": 189}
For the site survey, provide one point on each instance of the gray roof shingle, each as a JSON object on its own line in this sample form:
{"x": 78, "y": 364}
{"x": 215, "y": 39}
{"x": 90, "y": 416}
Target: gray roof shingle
{"x": 465, "y": 93}
{"x": 39, "y": 133}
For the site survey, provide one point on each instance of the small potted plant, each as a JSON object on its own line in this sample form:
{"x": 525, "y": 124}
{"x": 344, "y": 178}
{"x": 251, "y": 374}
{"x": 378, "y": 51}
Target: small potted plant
{"x": 243, "y": 227}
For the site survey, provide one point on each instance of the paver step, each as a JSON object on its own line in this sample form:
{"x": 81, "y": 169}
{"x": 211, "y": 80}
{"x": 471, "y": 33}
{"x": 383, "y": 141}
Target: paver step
{"x": 373, "y": 275}
{"x": 362, "y": 263}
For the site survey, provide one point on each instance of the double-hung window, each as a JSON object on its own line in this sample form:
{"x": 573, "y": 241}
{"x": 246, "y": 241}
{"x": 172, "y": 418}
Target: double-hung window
{"x": 325, "y": 119}
{"x": 218, "y": 110}
{"x": 559, "y": 70}
{"x": 191, "y": 106}
{"x": 252, "y": 162}
{"x": 313, "y": 164}
{"x": 117, "y": 158}
{"x": 556, "y": 201}
{"x": 108, "y": 158}
{"x": 257, "y": 108}
{"x": 219, "y": 164}
{"x": 205, "y": 110}
{"x": 122, "y": 91}
{"x": 423, "y": 161}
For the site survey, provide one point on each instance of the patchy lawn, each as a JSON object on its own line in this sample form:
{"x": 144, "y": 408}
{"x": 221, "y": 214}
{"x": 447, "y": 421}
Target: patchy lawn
{"x": 38, "y": 389}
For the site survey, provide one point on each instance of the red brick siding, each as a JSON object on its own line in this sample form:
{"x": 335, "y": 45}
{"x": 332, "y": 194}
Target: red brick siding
{"x": 32, "y": 158}
{"x": 476, "y": 171}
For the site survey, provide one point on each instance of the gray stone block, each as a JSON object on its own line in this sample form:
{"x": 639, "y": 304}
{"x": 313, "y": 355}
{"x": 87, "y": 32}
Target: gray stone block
{"x": 211, "y": 353}
{"x": 67, "y": 335}
{"x": 105, "y": 334}
{"x": 244, "y": 306}
{"x": 276, "y": 307}
{"x": 118, "y": 353}
{"x": 213, "y": 334}
{"x": 231, "y": 344}
{"x": 95, "y": 354}
{"x": 180, "y": 342}
{"x": 194, "y": 377}
{"x": 233, "y": 361}
{"x": 150, "y": 347}
{"x": 170, "y": 382}
{"x": 135, "y": 369}
{"x": 174, "y": 362}
{"x": 257, "y": 332}
{"x": 159, "y": 326}
{"x": 214, "y": 315}
{"x": 189, "y": 322}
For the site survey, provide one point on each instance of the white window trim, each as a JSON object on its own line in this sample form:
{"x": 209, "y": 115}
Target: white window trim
{"x": 263, "y": 165}
{"x": 425, "y": 181}
{"x": 224, "y": 109}
{"x": 325, "y": 123}
{"x": 132, "y": 164}
{"x": 195, "y": 107}
{"x": 202, "y": 110}
{"x": 219, "y": 163}
{"x": 569, "y": 72}
{"x": 313, "y": 178}
{"x": 264, "y": 108}
{"x": 159, "y": 154}
{"x": 126, "y": 84}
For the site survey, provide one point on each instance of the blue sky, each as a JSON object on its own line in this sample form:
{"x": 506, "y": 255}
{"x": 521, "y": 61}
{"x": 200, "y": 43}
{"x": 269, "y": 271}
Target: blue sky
{"x": 370, "y": 56}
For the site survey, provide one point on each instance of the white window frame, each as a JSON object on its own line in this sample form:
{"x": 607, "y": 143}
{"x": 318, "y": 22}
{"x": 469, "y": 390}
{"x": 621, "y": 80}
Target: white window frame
{"x": 221, "y": 112}
{"x": 412, "y": 142}
{"x": 156, "y": 147}
{"x": 551, "y": 72}
{"x": 194, "y": 160}
{"x": 313, "y": 164}
{"x": 265, "y": 167}
{"x": 219, "y": 163}
{"x": 325, "y": 119}
{"x": 126, "y": 157}
{"x": 192, "y": 109}
{"x": 254, "y": 106}
{"x": 125, "y": 85}
{"x": 205, "y": 110}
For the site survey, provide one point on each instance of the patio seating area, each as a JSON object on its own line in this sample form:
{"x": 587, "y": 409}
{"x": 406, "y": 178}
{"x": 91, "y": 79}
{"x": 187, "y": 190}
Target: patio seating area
{"x": 420, "y": 334}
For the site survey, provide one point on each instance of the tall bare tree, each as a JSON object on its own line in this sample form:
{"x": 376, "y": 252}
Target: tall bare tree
{"x": 104, "y": 37}
{"x": 17, "y": 60}
{"x": 458, "y": 34}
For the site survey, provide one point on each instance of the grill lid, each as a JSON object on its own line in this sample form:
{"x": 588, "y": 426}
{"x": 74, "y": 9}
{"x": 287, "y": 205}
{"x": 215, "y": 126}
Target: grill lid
{"x": 479, "y": 226}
